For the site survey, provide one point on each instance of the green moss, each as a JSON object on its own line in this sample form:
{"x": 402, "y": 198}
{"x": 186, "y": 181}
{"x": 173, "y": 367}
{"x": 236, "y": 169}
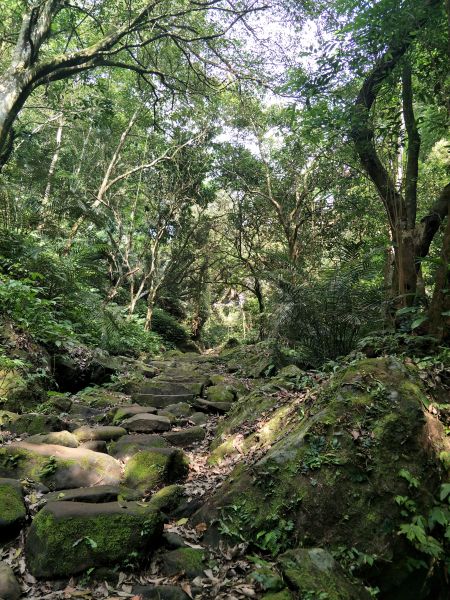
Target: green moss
{"x": 146, "y": 470}
{"x": 168, "y": 498}
{"x": 283, "y": 595}
{"x": 65, "y": 546}
{"x": 12, "y": 508}
{"x": 190, "y": 561}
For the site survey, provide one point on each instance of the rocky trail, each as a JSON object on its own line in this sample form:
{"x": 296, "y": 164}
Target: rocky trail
{"x": 102, "y": 491}
{"x": 223, "y": 476}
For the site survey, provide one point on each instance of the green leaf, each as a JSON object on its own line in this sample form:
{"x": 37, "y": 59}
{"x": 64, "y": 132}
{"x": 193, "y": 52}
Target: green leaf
{"x": 417, "y": 322}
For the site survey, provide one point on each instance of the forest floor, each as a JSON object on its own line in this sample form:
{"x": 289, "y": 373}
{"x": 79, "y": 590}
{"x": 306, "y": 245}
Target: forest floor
{"x": 227, "y": 568}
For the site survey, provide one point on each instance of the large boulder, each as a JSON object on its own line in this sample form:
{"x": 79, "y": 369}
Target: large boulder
{"x": 66, "y": 538}
{"x": 12, "y": 507}
{"x": 35, "y": 423}
{"x": 326, "y": 473}
{"x": 59, "y": 438}
{"x": 106, "y": 433}
{"x": 58, "y": 467}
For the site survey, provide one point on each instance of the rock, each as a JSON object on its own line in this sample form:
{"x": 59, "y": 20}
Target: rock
{"x": 221, "y": 393}
{"x": 153, "y": 467}
{"x": 168, "y": 498}
{"x": 198, "y": 418}
{"x": 185, "y": 437}
{"x": 128, "y": 445}
{"x": 173, "y": 540}
{"x": 289, "y": 372}
{"x": 12, "y": 507}
{"x": 124, "y": 412}
{"x": 106, "y": 433}
{"x": 66, "y": 538}
{"x": 58, "y": 467}
{"x": 9, "y": 587}
{"x": 161, "y": 394}
{"x": 96, "y": 494}
{"x": 7, "y": 417}
{"x": 217, "y": 379}
{"x": 59, "y": 438}
{"x": 146, "y": 423}
{"x": 162, "y": 412}
{"x": 159, "y": 592}
{"x": 189, "y": 561}
{"x": 32, "y": 424}
{"x": 162, "y": 400}
{"x": 338, "y": 464}
{"x": 96, "y": 446}
{"x": 180, "y": 409}
{"x": 213, "y": 407}
{"x": 313, "y": 571}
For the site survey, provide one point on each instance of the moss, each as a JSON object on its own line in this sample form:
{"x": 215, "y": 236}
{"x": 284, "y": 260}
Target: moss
{"x": 12, "y": 508}
{"x": 220, "y": 393}
{"x": 190, "y": 561}
{"x": 59, "y": 545}
{"x": 146, "y": 470}
{"x": 168, "y": 498}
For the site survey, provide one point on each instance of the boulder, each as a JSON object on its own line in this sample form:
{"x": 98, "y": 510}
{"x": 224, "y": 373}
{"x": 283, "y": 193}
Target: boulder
{"x": 67, "y": 538}
{"x": 96, "y": 446}
{"x": 198, "y": 418}
{"x": 185, "y": 437}
{"x": 221, "y": 393}
{"x": 213, "y": 407}
{"x": 34, "y": 423}
{"x": 188, "y": 561}
{"x": 12, "y": 507}
{"x": 180, "y": 409}
{"x": 314, "y": 572}
{"x": 146, "y": 423}
{"x": 124, "y": 412}
{"x": 58, "y": 467}
{"x": 9, "y": 587}
{"x": 155, "y": 466}
{"x": 128, "y": 445}
{"x": 59, "y": 438}
{"x": 7, "y": 417}
{"x": 337, "y": 464}
{"x": 168, "y": 498}
{"x": 106, "y": 433}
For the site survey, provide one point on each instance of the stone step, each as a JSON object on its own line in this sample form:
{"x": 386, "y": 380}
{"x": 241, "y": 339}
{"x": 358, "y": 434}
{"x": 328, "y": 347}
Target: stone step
{"x": 162, "y": 400}
{"x": 97, "y": 494}
{"x": 151, "y": 468}
{"x": 185, "y": 437}
{"x": 146, "y": 423}
{"x": 128, "y": 445}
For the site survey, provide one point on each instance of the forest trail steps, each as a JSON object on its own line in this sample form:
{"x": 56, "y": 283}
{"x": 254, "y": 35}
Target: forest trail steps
{"x": 114, "y": 483}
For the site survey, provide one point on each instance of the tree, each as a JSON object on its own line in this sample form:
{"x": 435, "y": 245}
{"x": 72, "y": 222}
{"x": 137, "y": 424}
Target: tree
{"x": 58, "y": 40}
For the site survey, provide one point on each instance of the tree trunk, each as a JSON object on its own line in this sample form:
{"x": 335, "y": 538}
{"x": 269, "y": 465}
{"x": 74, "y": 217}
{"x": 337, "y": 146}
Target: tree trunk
{"x": 439, "y": 313}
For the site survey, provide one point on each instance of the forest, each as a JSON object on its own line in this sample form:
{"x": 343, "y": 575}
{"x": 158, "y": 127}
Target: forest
{"x": 225, "y": 299}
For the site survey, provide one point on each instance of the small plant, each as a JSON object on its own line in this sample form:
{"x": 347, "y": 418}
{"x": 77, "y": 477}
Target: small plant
{"x": 49, "y": 467}
{"x": 86, "y": 540}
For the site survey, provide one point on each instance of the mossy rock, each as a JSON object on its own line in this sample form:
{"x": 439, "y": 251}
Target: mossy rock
{"x": 101, "y": 397}
{"x": 332, "y": 478}
{"x": 128, "y": 445}
{"x": 7, "y": 417}
{"x": 185, "y": 437}
{"x": 154, "y": 467}
{"x": 315, "y": 573}
{"x": 190, "y": 561}
{"x": 59, "y": 438}
{"x": 106, "y": 433}
{"x": 12, "y": 507}
{"x": 124, "y": 412}
{"x": 67, "y": 538}
{"x": 254, "y": 360}
{"x": 58, "y": 467}
{"x": 168, "y": 498}
{"x": 9, "y": 586}
{"x": 221, "y": 393}
{"x": 35, "y": 423}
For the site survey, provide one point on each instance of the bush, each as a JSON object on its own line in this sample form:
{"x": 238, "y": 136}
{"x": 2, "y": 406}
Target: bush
{"x": 168, "y": 327}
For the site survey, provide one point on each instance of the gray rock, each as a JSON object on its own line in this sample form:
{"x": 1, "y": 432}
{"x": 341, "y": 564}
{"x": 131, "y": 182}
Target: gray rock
{"x": 9, "y": 587}
{"x": 189, "y": 561}
{"x": 160, "y": 592}
{"x": 147, "y": 423}
{"x": 128, "y": 445}
{"x": 96, "y": 446}
{"x": 185, "y": 437}
{"x": 101, "y": 432}
{"x": 60, "y": 438}
{"x": 96, "y": 494}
